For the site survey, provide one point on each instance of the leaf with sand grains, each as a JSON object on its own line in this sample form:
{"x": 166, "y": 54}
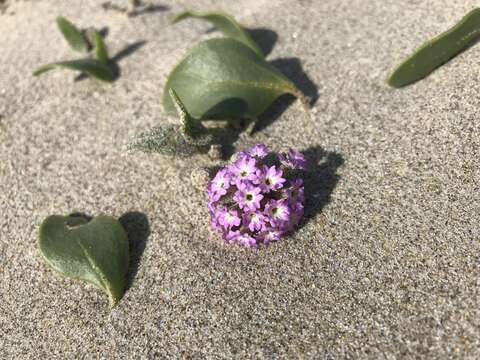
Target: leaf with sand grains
{"x": 95, "y": 251}
{"x": 182, "y": 140}
{"x": 225, "y": 79}
{"x": 225, "y": 23}
{"x": 438, "y": 51}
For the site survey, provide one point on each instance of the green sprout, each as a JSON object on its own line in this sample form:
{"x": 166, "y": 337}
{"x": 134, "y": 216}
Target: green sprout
{"x": 98, "y": 66}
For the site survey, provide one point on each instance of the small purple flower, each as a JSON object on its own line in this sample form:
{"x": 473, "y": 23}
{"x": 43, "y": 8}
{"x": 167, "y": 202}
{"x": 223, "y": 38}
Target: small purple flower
{"x": 278, "y": 212}
{"x": 248, "y": 197}
{"x": 293, "y": 159}
{"x": 255, "y": 221}
{"x": 229, "y": 219}
{"x": 244, "y": 169}
{"x": 270, "y": 178}
{"x": 259, "y": 151}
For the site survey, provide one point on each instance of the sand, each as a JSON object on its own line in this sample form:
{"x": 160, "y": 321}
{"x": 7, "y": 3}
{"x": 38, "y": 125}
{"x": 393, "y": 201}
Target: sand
{"x": 386, "y": 264}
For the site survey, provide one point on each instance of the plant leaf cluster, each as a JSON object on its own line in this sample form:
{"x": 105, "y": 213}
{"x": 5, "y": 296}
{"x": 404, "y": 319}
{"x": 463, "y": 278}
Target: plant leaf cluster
{"x": 223, "y": 78}
{"x": 80, "y": 41}
{"x": 218, "y": 79}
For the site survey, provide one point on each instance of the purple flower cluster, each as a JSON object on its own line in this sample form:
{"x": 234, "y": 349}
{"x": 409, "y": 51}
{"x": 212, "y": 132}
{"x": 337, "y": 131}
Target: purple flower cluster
{"x": 252, "y": 202}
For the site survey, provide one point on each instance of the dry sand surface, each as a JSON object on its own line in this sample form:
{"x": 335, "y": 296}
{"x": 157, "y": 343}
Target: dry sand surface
{"x": 386, "y": 264}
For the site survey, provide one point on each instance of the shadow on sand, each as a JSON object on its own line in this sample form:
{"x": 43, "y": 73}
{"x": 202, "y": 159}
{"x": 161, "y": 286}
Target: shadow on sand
{"x": 137, "y": 227}
{"x": 320, "y": 179}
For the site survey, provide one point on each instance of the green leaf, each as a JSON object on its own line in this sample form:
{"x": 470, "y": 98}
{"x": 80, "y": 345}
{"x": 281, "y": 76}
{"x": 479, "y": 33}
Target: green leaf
{"x": 74, "y": 36}
{"x": 192, "y": 137}
{"x": 92, "y": 67}
{"x": 95, "y": 251}
{"x": 100, "y": 48}
{"x": 438, "y": 51}
{"x": 224, "y": 23}
{"x": 225, "y": 79}
{"x": 191, "y": 127}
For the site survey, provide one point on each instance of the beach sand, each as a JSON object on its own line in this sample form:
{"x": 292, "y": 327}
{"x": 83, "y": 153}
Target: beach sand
{"x": 386, "y": 264}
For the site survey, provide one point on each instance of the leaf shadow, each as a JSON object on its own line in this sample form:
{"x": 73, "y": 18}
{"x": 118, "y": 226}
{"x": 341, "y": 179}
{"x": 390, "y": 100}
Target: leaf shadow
{"x": 226, "y": 136}
{"x": 320, "y": 180}
{"x": 292, "y": 69}
{"x": 137, "y": 227}
{"x": 113, "y": 62}
{"x": 224, "y": 107}
{"x": 128, "y": 50}
{"x": 79, "y": 214}
{"x": 140, "y": 9}
{"x": 265, "y": 38}
{"x": 149, "y": 9}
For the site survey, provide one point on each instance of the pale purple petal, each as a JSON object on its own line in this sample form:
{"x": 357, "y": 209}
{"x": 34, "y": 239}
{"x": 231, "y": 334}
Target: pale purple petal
{"x": 245, "y": 168}
{"x": 295, "y": 192}
{"x": 270, "y": 178}
{"x": 248, "y": 197}
{"x": 229, "y": 219}
{"x": 231, "y": 235}
{"x": 246, "y": 240}
{"x": 293, "y": 159}
{"x": 255, "y": 221}
{"x": 270, "y": 235}
{"x": 277, "y": 212}
{"x": 259, "y": 151}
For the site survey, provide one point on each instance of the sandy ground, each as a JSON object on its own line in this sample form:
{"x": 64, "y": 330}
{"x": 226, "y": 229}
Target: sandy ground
{"x": 385, "y": 266}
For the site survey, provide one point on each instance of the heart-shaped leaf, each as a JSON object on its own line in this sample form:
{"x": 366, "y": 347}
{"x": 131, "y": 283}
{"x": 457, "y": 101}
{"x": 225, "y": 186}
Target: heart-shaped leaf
{"x": 225, "y": 79}
{"x": 74, "y": 36}
{"x": 189, "y": 138}
{"x": 224, "y": 23}
{"x": 95, "y": 251}
{"x": 438, "y": 51}
{"x": 91, "y": 67}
